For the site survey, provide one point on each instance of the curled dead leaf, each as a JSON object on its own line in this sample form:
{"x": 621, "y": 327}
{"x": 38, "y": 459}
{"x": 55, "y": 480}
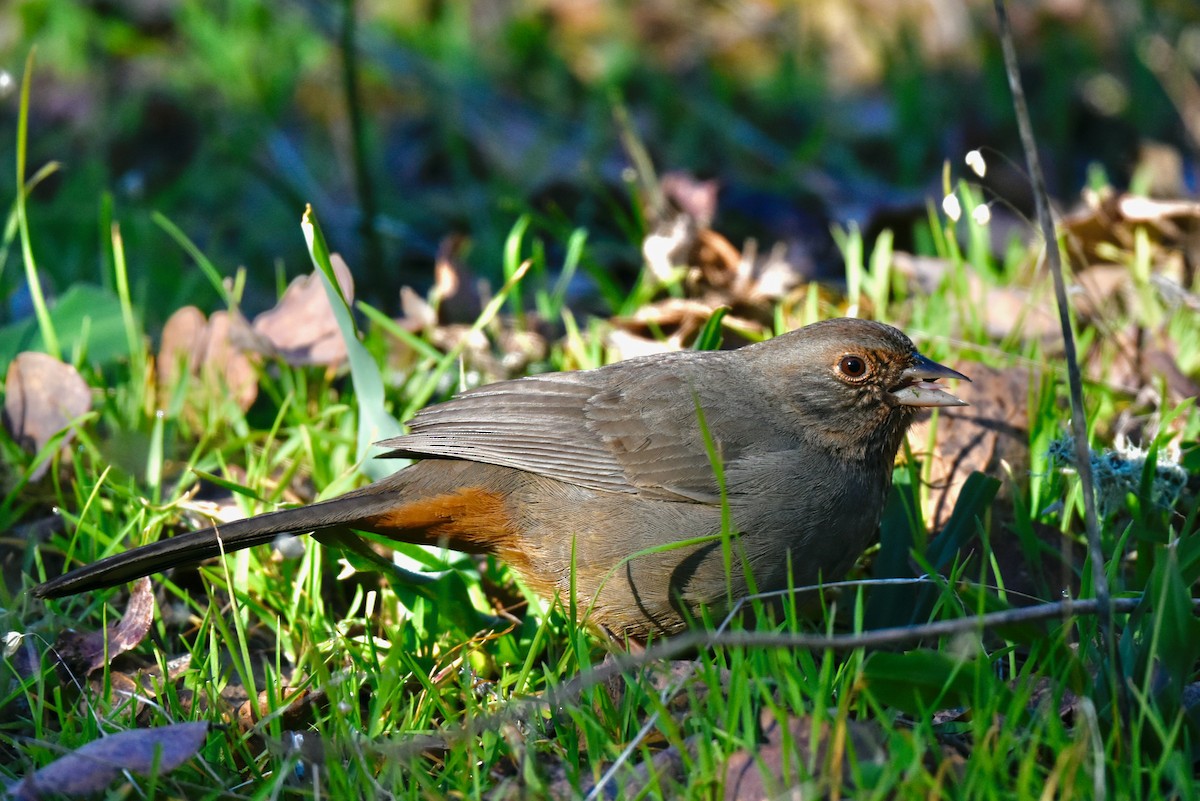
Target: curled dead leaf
{"x": 209, "y": 353}
{"x": 1028, "y": 312}
{"x": 1106, "y": 226}
{"x": 1142, "y": 362}
{"x": 301, "y": 329}
{"x": 42, "y": 396}
{"x": 84, "y": 652}
{"x": 715, "y": 272}
{"x": 297, "y": 710}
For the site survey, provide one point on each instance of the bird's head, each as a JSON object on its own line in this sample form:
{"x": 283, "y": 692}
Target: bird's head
{"x": 853, "y": 385}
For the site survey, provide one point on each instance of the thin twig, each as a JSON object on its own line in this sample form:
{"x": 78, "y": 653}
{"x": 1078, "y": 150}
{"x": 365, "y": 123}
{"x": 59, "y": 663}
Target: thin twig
{"x": 1074, "y": 380}
{"x": 568, "y": 693}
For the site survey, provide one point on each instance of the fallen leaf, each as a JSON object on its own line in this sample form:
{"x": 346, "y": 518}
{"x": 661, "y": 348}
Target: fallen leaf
{"x": 1101, "y": 290}
{"x": 295, "y": 712}
{"x": 123, "y": 687}
{"x": 1105, "y": 227}
{"x": 679, "y": 320}
{"x": 416, "y": 313}
{"x": 1027, "y": 312}
{"x": 1139, "y": 361}
{"x": 499, "y": 353}
{"x": 1043, "y": 695}
{"x": 301, "y": 329}
{"x": 88, "y": 651}
{"x": 789, "y": 747}
{"x": 715, "y": 273}
{"x": 42, "y": 396}
{"x": 95, "y": 766}
{"x": 622, "y": 345}
{"x": 456, "y": 290}
{"x": 211, "y": 353}
{"x": 668, "y": 245}
{"x": 181, "y": 349}
{"x": 694, "y": 197}
{"x": 993, "y": 429}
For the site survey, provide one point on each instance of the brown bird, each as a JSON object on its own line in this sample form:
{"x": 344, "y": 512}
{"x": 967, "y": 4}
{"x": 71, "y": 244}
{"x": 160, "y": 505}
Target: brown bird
{"x": 594, "y": 472}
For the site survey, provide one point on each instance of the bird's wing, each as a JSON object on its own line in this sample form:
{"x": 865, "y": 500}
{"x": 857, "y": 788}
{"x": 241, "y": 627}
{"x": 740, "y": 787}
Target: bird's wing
{"x": 633, "y": 430}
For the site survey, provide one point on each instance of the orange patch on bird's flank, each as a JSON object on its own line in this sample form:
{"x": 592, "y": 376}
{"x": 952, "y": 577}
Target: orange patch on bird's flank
{"x": 470, "y": 519}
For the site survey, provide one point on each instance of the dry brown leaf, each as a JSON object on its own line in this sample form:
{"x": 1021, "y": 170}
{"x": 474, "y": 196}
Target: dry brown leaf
{"x": 508, "y": 356}
{"x": 677, "y": 319}
{"x": 669, "y": 245}
{"x": 1027, "y": 311}
{"x": 694, "y": 197}
{"x": 715, "y": 272}
{"x": 456, "y": 290}
{"x": 994, "y": 428}
{"x": 83, "y": 652}
{"x": 781, "y": 761}
{"x": 1101, "y": 290}
{"x": 181, "y": 350}
{"x": 301, "y": 329}
{"x": 993, "y": 431}
{"x": 41, "y": 397}
{"x": 296, "y": 711}
{"x": 1135, "y": 360}
{"x": 677, "y": 678}
{"x": 226, "y": 365}
{"x": 95, "y": 766}
{"x": 1108, "y": 221}
{"x": 622, "y": 345}
{"x": 210, "y": 353}
{"x": 122, "y": 687}
{"x": 417, "y": 314}
{"x": 1044, "y": 691}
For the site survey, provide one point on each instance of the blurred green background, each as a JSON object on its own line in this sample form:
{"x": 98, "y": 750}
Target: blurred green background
{"x": 227, "y": 116}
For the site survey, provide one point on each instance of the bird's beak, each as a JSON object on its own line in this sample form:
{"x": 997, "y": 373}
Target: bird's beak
{"x": 916, "y": 386}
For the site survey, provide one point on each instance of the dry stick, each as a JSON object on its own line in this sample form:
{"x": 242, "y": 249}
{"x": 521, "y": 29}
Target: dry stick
{"x": 568, "y": 693}
{"x": 1054, "y": 262}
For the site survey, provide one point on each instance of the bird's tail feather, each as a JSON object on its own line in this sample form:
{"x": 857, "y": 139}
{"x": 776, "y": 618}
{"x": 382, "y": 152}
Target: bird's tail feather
{"x": 206, "y": 543}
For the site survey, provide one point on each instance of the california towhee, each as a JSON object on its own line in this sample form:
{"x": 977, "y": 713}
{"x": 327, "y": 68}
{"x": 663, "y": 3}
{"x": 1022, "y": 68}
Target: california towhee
{"x": 589, "y": 470}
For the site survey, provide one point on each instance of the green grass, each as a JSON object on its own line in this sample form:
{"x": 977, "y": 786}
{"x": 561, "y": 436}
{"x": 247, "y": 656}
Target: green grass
{"x": 385, "y": 662}
{"x": 466, "y": 685}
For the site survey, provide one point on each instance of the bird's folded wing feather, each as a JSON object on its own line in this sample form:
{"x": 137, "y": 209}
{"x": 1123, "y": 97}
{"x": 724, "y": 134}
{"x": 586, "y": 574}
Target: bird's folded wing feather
{"x": 640, "y": 434}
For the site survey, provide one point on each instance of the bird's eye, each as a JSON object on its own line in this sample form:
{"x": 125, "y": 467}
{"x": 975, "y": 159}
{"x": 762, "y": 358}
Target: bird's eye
{"x": 853, "y": 366}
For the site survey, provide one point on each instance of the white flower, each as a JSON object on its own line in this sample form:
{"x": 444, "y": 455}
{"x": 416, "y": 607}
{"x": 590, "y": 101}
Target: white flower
{"x": 976, "y": 163}
{"x": 952, "y": 207}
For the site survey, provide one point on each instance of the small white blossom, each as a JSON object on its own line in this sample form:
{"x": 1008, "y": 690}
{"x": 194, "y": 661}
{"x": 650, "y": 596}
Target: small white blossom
{"x": 976, "y": 163}
{"x": 981, "y": 214}
{"x": 952, "y": 207}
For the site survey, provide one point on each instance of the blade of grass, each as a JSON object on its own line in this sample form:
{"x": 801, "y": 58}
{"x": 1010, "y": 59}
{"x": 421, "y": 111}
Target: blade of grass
{"x": 374, "y": 421}
{"x": 133, "y": 330}
{"x": 42, "y": 312}
{"x": 11, "y": 224}
{"x": 207, "y": 267}
{"x": 512, "y": 262}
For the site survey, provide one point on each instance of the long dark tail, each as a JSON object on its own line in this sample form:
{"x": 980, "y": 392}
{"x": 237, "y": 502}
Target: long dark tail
{"x": 206, "y": 543}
